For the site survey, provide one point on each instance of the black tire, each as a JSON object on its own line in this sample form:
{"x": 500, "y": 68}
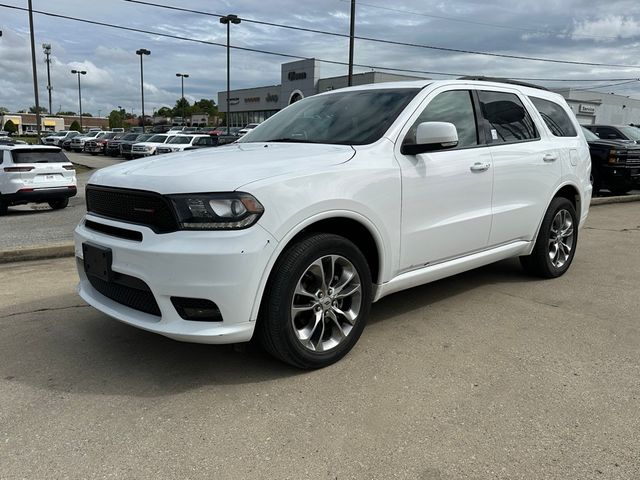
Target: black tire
{"x": 275, "y": 327}
{"x": 3, "y": 207}
{"x": 59, "y": 204}
{"x": 539, "y": 263}
{"x": 596, "y": 181}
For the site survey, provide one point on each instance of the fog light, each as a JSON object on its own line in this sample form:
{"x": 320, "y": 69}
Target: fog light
{"x": 197, "y": 309}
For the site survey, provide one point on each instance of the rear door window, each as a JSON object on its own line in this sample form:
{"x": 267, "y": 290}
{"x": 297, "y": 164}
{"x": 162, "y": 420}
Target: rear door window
{"x": 555, "y": 117}
{"x": 506, "y": 120}
{"x": 39, "y": 156}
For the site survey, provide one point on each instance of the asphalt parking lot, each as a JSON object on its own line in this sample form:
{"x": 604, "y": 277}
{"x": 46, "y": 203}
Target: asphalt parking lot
{"x": 488, "y": 374}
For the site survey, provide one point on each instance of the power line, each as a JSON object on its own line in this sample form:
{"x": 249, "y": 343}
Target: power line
{"x": 473, "y": 22}
{"x": 391, "y": 42}
{"x": 286, "y": 55}
{"x": 593, "y": 87}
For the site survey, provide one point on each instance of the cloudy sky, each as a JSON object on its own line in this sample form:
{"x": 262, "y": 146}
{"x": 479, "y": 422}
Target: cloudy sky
{"x": 560, "y": 29}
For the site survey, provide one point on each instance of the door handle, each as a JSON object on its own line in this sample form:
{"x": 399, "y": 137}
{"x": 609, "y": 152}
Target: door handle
{"x": 550, "y": 157}
{"x": 479, "y": 167}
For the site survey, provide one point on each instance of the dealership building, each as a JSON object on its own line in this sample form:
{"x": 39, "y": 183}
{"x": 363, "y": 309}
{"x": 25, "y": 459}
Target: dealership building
{"x": 27, "y": 122}
{"x": 299, "y": 79}
{"x": 302, "y": 78}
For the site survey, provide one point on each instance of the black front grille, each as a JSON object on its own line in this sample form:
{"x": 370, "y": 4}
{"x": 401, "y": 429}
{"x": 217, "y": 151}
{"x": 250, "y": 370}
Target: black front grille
{"x": 134, "y": 206}
{"x": 139, "y": 298}
{"x": 126, "y": 147}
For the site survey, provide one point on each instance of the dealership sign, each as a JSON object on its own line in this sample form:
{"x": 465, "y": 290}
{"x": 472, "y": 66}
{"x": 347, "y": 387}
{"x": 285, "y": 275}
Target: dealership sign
{"x": 272, "y": 97}
{"x": 296, "y": 76}
{"x": 591, "y": 109}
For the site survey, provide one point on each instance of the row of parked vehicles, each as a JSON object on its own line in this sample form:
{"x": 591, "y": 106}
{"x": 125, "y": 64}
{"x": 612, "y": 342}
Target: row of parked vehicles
{"x": 136, "y": 144}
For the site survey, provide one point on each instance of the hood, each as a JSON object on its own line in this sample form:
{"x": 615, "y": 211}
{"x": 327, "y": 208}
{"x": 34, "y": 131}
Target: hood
{"x": 221, "y": 169}
{"x": 614, "y": 143}
{"x": 149, "y": 144}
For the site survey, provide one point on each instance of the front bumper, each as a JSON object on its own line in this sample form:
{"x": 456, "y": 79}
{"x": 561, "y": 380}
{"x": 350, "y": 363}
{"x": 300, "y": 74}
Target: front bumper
{"x": 622, "y": 174}
{"x": 223, "y": 267}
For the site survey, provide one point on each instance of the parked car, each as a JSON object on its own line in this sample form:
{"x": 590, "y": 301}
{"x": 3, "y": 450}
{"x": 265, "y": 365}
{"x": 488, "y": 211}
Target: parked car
{"x": 58, "y": 138}
{"x": 161, "y": 128}
{"x": 615, "y": 164}
{"x": 180, "y": 143}
{"x": 77, "y": 142}
{"x": 148, "y": 147}
{"x": 98, "y": 145}
{"x": 35, "y": 174}
{"x": 333, "y": 203}
{"x": 126, "y": 145}
{"x": 11, "y": 141}
{"x": 616, "y": 132}
{"x": 247, "y": 128}
{"x": 113, "y": 145}
{"x": 66, "y": 144}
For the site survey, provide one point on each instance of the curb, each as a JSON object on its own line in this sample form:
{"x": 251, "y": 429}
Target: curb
{"x": 609, "y": 200}
{"x": 40, "y": 252}
{"x": 43, "y": 252}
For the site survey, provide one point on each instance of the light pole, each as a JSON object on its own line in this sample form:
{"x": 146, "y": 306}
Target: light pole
{"x": 79, "y": 72}
{"x": 47, "y": 51}
{"x": 351, "y": 40}
{"x": 34, "y": 68}
{"x": 182, "y": 77}
{"x": 228, "y": 20}
{"x": 141, "y": 52}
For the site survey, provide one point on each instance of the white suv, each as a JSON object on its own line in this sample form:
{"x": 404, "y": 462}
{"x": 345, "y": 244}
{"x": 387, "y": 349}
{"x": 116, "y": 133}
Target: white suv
{"x": 148, "y": 147}
{"x": 35, "y": 174}
{"x": 333, "y": 203}
{"x": 181, "y": 143}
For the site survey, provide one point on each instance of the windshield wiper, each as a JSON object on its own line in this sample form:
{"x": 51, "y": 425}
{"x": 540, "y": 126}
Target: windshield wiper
{"x": 292, "y": 140}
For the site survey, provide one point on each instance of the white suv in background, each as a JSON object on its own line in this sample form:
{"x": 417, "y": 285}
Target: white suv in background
{"x": 59, "y": 137}
{"x": 333, "y": 203}
{"x": 181, "y": 143}
{"x": 35, "y": 174}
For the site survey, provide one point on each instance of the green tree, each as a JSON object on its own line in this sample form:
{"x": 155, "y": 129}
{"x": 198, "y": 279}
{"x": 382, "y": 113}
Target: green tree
{"x": 164, "y": 112}
{"x": 182, "y": 105}
{"x": 86, "y": 114}
{"x": 10, "y": 127}
{"x": 69, "y": 113}
{"x": 116, "y": 119}
{"x": 41, "y": 109}
{"x": 205, "y": 106}
{"x": 75, "y": 126}
{"x": 3, "y": 110}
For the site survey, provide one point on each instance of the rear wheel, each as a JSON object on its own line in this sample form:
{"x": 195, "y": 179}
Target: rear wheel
{"x": 59, "y": 204}
{"x": 317, "y": 302}
{"x": 556, "y": 243}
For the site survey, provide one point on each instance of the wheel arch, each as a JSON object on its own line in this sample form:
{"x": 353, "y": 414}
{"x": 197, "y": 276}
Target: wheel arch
{"x": 347, "y": 224}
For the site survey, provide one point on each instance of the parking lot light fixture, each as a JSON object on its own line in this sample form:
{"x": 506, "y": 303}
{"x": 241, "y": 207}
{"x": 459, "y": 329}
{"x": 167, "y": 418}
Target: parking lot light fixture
{"x": 79, "y": 72}
{"x": 182, "y": 77}
{"x": 141, "y": 52}
{"x": 228, "y": 20}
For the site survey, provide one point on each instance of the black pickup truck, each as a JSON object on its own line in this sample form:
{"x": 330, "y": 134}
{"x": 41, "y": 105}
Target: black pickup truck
{"x": 615, "y": 164}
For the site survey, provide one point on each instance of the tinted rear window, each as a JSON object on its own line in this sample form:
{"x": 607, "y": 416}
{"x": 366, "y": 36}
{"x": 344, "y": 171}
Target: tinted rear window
{"x": 506, "y": 119}
{"x": 555, "y": 117}
{"x": 39, "y": 156}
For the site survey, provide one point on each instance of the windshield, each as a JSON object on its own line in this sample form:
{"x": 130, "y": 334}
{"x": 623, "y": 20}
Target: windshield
{"x": 632, "y": 133}
{"x": 129, "y": 136}
{"x": 346, "y": 118}
{"x": 181, "y": 140}
{"x": 39, "y": 156}
{"x": 589, "y": 135}
{"x": 157, "y": 139}
{"x": 142, "y": 138}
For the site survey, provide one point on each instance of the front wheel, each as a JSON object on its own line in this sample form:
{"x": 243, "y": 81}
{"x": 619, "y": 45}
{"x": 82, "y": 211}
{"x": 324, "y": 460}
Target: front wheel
{"x": 317, "y": 302}
{"x": 59, "y": 204}
{"x": 556, "y": 243}
{"x": 3, "y": 207}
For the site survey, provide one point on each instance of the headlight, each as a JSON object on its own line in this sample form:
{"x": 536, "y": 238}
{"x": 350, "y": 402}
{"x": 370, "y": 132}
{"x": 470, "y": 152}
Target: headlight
{"x": 148, "y": 148}
{"x": 216, "y": 211}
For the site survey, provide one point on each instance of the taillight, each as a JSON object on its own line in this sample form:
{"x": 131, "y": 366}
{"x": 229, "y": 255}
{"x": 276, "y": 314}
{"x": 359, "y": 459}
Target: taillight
{"x": 69, "y": 167}
{"x": 18, "y": 169}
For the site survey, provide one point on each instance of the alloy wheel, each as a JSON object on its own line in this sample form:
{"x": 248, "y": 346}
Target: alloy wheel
{"x": 561, "y": 238}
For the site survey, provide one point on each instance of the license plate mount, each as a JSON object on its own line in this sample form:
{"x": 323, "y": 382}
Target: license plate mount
{"x": 97, "y": 261}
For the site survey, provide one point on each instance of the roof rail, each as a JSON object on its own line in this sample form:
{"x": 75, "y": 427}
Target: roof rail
{"x": 502, "y": 80}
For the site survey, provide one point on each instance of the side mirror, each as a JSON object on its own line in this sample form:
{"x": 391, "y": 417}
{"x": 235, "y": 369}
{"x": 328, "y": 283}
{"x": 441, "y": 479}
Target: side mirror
{"x": 431, "y": 136}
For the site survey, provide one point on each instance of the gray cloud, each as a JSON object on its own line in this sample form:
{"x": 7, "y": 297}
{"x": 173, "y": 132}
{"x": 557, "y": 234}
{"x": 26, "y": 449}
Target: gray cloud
{"x": 569, "y": 30}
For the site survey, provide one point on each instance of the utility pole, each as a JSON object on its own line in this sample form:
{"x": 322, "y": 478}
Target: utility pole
{"x": 35, "y": 70}
{"x": 228, "y": 20}
{"x": 352, "y": 31}
{"x": 47, "y": 51}
{"x": 141, "y": 52}
{"x": 182, "y": 77}
{"x": 79, "y": 72}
